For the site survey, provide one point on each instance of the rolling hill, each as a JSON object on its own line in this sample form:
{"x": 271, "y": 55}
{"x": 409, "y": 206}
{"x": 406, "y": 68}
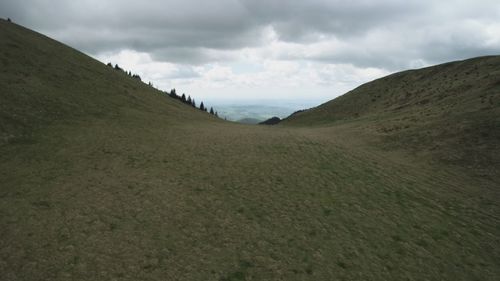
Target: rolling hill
{"x": 449, "y": 112}
{"x": 105, "y": 178}
{"x": 44, "y": 81}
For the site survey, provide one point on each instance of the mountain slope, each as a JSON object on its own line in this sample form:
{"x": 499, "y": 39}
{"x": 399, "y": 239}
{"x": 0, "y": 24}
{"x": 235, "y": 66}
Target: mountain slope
{"x": 451, "y": 88}
{"x": 104, "y": 178}
{"x": 450, "y": 111}
{"x": 45, "y": 81}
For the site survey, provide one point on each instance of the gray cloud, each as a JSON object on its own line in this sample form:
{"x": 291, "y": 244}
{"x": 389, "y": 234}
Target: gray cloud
{"x": 184, "y": 72}
{"x": 388, "y": 34}
{"x": 297, "y": 20}
{"x": 193, "y": 55}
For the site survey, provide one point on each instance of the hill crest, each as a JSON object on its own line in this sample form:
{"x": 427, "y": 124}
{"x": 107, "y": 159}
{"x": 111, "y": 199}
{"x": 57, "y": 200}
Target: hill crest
{"x": 450, "y": 112}
{"x": 45, "y": 81}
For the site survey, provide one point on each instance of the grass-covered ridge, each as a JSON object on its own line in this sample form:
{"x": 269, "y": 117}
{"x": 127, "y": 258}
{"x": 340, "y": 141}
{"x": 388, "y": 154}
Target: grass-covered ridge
{"x": 104, "y": 178}
{"x": 45, "y": 81}
{"x": 448, "y": 112}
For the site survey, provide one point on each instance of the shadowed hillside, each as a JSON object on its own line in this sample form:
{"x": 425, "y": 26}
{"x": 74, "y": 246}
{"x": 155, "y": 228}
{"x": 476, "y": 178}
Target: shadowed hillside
{"x": 450, "y": 111}
{"x": 45, "y": 81}
{"x": 105, "y": 178}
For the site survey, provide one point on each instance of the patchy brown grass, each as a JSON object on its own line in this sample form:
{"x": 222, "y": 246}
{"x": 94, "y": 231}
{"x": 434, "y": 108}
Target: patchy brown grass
{"x": 153, "y": 190}
{"x": 448, "y": 113}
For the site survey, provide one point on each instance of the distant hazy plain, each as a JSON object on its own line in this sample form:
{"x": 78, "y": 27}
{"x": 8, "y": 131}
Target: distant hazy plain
{"x": 235, "y": 110}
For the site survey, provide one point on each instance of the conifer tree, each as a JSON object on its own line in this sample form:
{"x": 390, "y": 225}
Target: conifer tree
{"x": 212, "y": 110}
{"x": 173, "y": 94}
{"x": 183, "y": 98}
{"x": 202, "y": 106}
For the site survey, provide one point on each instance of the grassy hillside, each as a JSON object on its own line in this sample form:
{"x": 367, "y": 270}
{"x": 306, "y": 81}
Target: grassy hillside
{"x": 45, "y": 81}
{"x": 103, "y": 178}
{"x": 449, "y": 112}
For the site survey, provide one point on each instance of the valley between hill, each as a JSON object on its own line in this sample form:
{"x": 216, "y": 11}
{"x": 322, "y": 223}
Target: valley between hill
{"x": 105, "y": 178}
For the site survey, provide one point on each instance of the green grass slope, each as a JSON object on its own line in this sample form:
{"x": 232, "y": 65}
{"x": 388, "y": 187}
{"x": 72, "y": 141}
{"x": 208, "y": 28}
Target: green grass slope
{"x": 103, "y": 178}
{"x": 45, "y": 81}
{"x": 450, "y": 112}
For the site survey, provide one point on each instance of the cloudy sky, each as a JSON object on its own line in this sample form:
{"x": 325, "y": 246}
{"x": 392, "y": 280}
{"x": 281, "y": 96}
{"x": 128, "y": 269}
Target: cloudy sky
{"x": 309, "y": 50}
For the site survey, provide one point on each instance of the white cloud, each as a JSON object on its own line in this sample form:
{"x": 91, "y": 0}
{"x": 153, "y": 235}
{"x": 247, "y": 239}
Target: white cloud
{"x": 267, "y": 48}
{"x": 275, "y": 78}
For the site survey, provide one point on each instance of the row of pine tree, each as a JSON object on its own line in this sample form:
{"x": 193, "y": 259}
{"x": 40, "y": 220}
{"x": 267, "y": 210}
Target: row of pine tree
{"x": 191, "y": 101}
{"x": 187, "y": 100}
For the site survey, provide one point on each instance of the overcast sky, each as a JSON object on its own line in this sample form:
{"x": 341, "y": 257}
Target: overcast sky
{"x": 245, "y": 49}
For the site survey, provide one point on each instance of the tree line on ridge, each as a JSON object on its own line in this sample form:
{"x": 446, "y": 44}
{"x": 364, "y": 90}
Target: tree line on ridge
{"x": 173, "y": 94}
